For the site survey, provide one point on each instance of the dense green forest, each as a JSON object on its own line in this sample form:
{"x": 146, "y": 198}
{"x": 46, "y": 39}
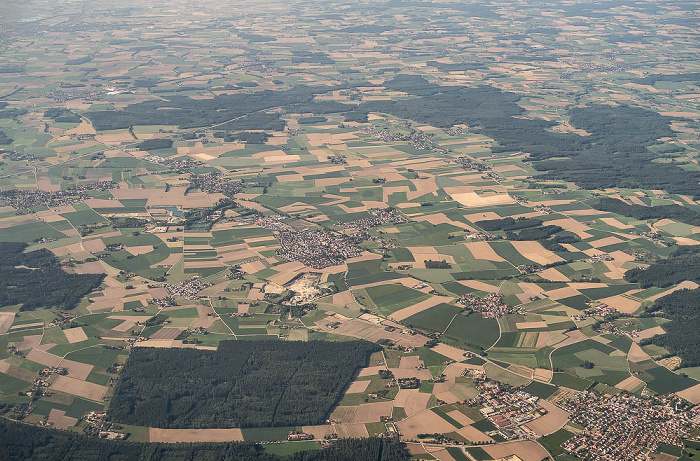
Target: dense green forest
{"x": 242, "y": 384}
{"x": 153, "y": 144}
{"x": 35, "y": 279}
{"x": 683, "y": 309}
{"x": 21, "y": 442}
{"x": 675, "y": 212}
{"x": 5, "y": 139}
{"x": 614, "y": 155}
{"x": 508, "y": 224}
{"x": 62, "y": 115}
{"x": 191, "y": 113}
{"x": 683, "y": 264}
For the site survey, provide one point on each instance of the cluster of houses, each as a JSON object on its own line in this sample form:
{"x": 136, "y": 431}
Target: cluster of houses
{"x": 625, "y": 427}
{"x": 215, "y": 183}
{"x": 491, "y": 305}
{"x": 378, "y": 217}
{"x": 508, "y": 408}
{"x": 189, "y": 289}
{"x": 29, "y": 198}
{"x": 317, "y": 248}
{"x": 417, "y": 139}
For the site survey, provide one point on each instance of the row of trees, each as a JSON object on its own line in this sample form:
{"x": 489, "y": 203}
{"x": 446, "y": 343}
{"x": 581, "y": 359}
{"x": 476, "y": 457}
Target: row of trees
{"x": 676, "y": 212}
{"x": 21, "y": 442}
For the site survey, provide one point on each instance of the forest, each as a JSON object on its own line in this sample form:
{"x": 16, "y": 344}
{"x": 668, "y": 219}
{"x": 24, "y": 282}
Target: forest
{"x": 156, "y": 143}
{"x": 618, "y": 133}
{"x": 35, "y": 279}
{"x": 508, "y": 224}
{"x": 683, "y": 309}
{"x": 614, "y": 155}
{"x": 242, "y": 384}
{"x": 21, "y": 442}
{"x": 675, "y": 212}
{"x": 229, "y": 112}
{"x": 683, "y": 264}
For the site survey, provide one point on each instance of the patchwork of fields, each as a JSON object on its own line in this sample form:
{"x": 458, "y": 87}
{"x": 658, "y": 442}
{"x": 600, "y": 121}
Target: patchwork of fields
{"x": 490, "y": 208}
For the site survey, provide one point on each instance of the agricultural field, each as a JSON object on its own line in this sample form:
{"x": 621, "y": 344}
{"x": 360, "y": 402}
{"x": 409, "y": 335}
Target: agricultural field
{"x": 291, "y": 223}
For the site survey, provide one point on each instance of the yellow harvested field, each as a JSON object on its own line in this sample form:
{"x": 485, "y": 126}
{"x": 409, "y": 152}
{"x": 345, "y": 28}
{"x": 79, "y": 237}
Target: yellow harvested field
{"x": 542, "y": 374}
{"x": 687, "y": 284}
{"x": 94, "y": 245}
{"x": 551, "y": 422}
{"x": 553, "y": 275}
{"x": 622, "y": 304}
{"x": 615, "y": 223}
{"x": 128, "y": 321}
{"x": 692, "y": 394}
{"x": 482, "y": 250}
{"x": 442, "y": 455}
{"x": 649, "y": 333}
{"x": 372, "y": 412}
{"x": 561, "y": 293}
{"x": 6, "y": 319}
{"x": 529, "y": 325}
{"x": 59, "y": 420}
{"x": 415, "y": 401}
{"x": 572, "y": 225}
{"x": 460, "y": 417}
{"x": 357, "y": 387}
{"x": 343, "y": 298}
{"x": 481, "y": 286}
{"x": 425, "y": 422}
{"x": 194, "y": 435}
{"x": 474, "y": 200}
{"x": 44, "y": 358}
{"x": 75, "y": 335}
{"x": 534, "y": 251}
{"x": 90, "y": 391}
{"x": 474, "y": 435}
{"x": 526, "y": 450}
{"x": 637, "y": 354}
{"x": 29, "y": 342}
{"x": 630, "y": 384}
{"x": 140, "y": 250}
{"x": 343, "y": 413}
{"x": 605, "y": 242}
{"x": 420, "y": 307}
{"x": 449, "y": 351}
{"x": 573, "y": 337}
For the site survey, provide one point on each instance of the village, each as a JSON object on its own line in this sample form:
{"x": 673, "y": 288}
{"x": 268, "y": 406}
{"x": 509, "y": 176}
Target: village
{"x": 626, "y": 427}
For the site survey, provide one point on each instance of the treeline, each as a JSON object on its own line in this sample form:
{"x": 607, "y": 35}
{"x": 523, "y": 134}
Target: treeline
{"x": 683, "y": 264}
{"x": 675, "y": 212}
{"x": 186, "y": 112}
{"x": 534, "y": 233}
{"x": 21, "y": 442}
{"x": 5, "y": 139}
{"x": 432, "y": 264}
{"x": 250, "y": 138}
{"x": 35, "y": 279}
{"x": 683, "y": 309}
{"x": 242, "y": 384}
{"x": 508, "y": 224}
{"x": 530, "y": 229}
{"x": 62, "y": 115}
{"x": 157, "y": 143}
